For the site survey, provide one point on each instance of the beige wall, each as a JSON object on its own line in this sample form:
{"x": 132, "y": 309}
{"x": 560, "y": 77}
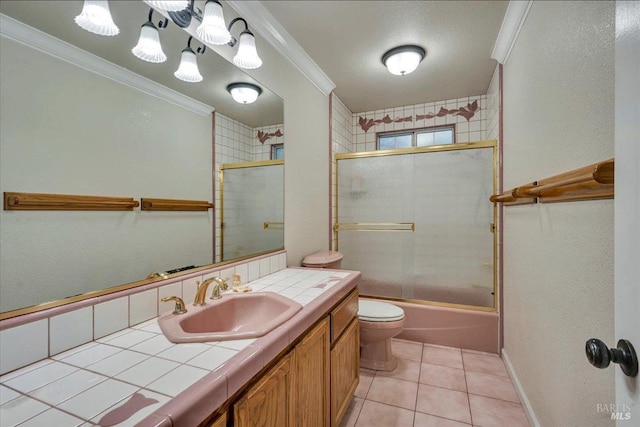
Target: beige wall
{"x": 558, "y": 258}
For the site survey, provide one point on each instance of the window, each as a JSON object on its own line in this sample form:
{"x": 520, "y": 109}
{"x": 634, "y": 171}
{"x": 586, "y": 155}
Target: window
{"x": 416, "y": 138}
{"x": 277, "y": 151}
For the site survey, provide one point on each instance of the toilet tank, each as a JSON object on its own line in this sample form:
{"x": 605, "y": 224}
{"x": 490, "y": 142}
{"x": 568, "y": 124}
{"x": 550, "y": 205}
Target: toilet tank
{"x": 324, "y": 259}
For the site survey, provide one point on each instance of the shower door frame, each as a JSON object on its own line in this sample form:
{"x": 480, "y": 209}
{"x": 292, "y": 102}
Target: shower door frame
{"x": 493, "y": 144}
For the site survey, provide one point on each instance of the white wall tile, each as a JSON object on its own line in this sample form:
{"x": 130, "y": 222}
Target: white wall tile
{"x": 265, "y": 268}
{"x": 282, "y": 261}
{"x": 23, "y": 345}
{"x": 274, "y": 265}
{"x": 189, "y": 288}
{"x": 172, "y": 290}
{"x": 110, "y": 317}
{"x": 143, "y": 306}
{"x": 254, "y": 271}
{"x": 70, "y": 330}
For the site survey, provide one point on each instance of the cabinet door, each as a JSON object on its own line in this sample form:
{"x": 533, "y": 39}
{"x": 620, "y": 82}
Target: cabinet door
{"x": 269, "y": 402}
{"x": 221, "y": 421}
{"x": 312, "y": 365}
{"x": 345, "y": 370}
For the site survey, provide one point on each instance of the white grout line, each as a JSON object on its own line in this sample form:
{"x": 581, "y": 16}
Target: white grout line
{"x": 528, "y": 409}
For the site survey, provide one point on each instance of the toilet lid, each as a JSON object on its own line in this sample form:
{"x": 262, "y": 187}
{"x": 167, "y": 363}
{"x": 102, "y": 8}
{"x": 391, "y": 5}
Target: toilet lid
{"x": 321, "y": 259}
{"x": 374, "y": 311}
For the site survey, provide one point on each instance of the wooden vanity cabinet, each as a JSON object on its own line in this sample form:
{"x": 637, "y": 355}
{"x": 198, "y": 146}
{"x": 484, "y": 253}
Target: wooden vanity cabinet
{"x": 312, "y": 385}
{"x": 312, "y": 377}
{"x": 269, "y": 403}
{"x": 345, "y": 356}
{"x": 221, "y": 421}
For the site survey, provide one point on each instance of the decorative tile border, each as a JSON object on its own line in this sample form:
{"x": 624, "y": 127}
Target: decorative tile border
{"x": 467, "y": 112}
{"x": 264, "y": 136}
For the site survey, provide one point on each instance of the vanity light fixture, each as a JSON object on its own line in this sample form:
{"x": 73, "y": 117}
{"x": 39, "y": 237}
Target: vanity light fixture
{"x": 247, "y": 56}
{"x": 169, "y": 6}
{"x": 188, "y": 69}
{"x": 213, "y": 29}
{"x": 244, "y": 93}
{"x": 149, "y": 48}
{"x": 403, "y": 60}
{"x": 96, "y": 18}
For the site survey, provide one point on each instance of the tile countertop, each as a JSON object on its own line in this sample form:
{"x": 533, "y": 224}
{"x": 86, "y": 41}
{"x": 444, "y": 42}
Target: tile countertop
{"x": 137, "y": 377}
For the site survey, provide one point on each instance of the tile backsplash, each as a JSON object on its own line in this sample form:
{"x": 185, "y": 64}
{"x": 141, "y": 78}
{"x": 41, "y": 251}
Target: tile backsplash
{"x": 31, "y": 338}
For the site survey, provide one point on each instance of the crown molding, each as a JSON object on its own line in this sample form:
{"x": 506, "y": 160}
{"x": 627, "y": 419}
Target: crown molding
{"x": 43, "y": 42}
{"x": 275, "y": 34}
{"x": 513, "y": 20}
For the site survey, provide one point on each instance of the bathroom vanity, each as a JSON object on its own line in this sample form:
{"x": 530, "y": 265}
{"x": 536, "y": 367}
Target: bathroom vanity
{"x": 310, "y": 384}
{"x": 303, "y": 372}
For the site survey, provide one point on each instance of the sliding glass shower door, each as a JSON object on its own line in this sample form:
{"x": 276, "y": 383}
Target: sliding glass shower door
{"x": 252, "y": 208}
{"x": 418, "y": 224}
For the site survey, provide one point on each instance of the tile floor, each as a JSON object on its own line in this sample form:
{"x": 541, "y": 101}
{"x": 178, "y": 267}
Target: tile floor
{"x": 435, "y": 386}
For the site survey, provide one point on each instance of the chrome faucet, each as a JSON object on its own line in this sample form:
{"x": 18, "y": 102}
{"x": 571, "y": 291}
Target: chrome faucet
{"x": 215, "y": 293}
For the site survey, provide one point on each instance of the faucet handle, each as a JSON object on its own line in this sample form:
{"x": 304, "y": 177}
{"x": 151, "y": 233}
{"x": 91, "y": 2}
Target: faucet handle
{"x": 179, "y": 308}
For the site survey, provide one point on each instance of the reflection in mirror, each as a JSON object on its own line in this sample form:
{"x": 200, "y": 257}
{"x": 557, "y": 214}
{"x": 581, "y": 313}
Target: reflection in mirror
{"x": 111, "y": 125}
{"x": 252, "y": 208}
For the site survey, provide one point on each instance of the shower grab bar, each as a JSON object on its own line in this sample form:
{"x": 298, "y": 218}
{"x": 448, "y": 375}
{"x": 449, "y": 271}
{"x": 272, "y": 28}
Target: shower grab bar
{"x": 273, "y": 225}
{"x": 374, "y": 226}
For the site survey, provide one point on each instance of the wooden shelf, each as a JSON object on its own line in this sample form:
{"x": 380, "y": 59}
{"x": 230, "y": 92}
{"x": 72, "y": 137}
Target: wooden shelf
{"x": 591, "y": 182}
{"x": 174, "y": 205}
{"x": 65, "y": 202}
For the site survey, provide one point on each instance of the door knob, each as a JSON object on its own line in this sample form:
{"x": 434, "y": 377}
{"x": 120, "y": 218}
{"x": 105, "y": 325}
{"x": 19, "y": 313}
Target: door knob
{"x": 601, "y": 356}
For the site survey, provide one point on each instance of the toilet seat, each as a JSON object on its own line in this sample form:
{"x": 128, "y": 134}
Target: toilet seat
{"x": 374, "y": 311}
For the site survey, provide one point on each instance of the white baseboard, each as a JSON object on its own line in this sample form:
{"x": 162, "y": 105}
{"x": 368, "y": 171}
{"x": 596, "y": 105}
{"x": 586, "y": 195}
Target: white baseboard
{"x": 528, "y": 410}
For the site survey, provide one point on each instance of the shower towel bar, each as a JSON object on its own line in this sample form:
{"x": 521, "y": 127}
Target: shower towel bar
{"x": 375, "y": 226}
{"x": 66, "y": 202}
{"x": 273, "y": 225}
{"x": 591, "y": 182}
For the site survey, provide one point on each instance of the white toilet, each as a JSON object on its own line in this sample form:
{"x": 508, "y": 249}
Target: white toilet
{"x": 379, "y": 321}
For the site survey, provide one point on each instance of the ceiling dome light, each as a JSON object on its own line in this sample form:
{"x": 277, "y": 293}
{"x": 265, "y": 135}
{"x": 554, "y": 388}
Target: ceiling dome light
{"x": 403, "y": 60}
{"x": 213, "y": 29}
{"x": 149, "y": 48}
{"x": 244, "y": 93}
{"x": 169, "y": 6}
{"x": 247, "y": 56}
{"x": 96, "y": 18}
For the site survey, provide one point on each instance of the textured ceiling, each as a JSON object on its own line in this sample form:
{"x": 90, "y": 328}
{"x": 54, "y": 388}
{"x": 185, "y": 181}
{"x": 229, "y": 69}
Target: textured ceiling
{"x": 56, "y": 18}
{"x": 348, "y": 38}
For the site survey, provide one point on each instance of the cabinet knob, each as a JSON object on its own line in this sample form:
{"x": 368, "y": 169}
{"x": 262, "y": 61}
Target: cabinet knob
{"x": 601, "y": 356}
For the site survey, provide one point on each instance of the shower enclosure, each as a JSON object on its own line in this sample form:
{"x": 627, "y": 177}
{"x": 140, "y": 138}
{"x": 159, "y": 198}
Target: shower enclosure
{"x": 418, "y": 222}
{"x": 252, "y": 208}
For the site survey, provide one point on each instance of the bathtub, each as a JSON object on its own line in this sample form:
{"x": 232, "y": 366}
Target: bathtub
{"x": 453, "y": 327}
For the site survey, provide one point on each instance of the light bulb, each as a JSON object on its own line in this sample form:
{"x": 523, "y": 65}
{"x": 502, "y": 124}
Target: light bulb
{"x": 188, "y": 69}
{"x": 213, "y": 29}
{"x": 247, "y": 56}
{"x": 96, "y": 18}
{"x": 149, "y": 48}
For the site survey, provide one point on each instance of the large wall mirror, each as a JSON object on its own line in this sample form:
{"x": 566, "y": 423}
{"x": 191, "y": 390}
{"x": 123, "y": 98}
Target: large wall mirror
{"x": 69, "y": 129}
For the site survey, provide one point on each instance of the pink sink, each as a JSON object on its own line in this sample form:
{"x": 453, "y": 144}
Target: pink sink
{"x": 233, "y": 317}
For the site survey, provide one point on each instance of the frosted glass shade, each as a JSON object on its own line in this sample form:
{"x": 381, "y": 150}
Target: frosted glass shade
{"x": 96, "y": 18}
{"x": 403, "y": 60}
{"x": 247, "y": 56}
{"x": 244, "y": 93}
{"x": 169, "y": 6}
{"x": 148, "y": 47}
{"x": 188, "y": 69}
{"x": 213, "y": 29}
